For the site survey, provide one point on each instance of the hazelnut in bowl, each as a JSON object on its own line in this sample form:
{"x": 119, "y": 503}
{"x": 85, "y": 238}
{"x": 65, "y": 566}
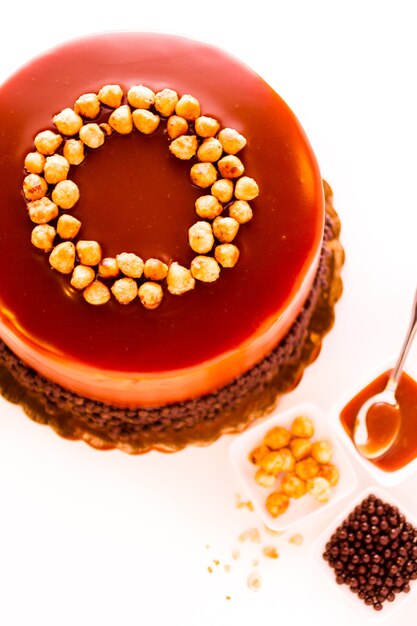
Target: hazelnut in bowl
{"x": 292, "y": 466}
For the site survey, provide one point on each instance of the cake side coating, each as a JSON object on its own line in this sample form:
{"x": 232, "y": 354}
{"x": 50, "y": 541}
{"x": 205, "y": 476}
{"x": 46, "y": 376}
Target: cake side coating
{"x": 204, "y": 339}
{"x": 200, "y": 421}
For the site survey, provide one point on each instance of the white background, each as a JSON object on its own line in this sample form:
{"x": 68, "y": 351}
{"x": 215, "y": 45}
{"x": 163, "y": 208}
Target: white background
{"x": 104, "y": 538}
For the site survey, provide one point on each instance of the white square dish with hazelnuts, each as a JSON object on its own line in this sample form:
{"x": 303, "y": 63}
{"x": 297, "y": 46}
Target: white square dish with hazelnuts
{"x": 292, "y": 466}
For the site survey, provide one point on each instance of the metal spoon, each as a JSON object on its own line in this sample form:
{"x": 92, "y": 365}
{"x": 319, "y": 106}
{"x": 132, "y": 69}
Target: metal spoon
{"x": 387, "y": 401}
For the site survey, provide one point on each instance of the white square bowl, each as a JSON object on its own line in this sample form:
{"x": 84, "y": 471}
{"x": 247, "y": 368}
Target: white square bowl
{"x": 384, "y": 478}
{"x": 306, "y": 506}
{"x": 322, "y": 569}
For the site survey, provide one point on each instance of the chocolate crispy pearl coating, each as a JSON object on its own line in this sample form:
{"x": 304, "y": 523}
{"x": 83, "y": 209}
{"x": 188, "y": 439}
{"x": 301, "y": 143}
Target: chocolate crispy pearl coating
{"x": 378, "y": 561}
{"x": 171, "y": 427}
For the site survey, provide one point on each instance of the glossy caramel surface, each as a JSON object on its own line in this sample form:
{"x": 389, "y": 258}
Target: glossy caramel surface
{"x": 404, "y": 448}
{"x": 137, "y": 197}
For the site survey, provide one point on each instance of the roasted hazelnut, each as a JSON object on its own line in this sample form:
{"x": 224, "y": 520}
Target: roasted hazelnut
{"x": 319, "y": 488}
{"x": 62, "y": 257}
{"x": 300, "y": 447}
{"x": 155, "y": 269}
{"x": 302, "y": 427}
{"x": 264, "y": 479}
{"x": 97, "y": 293}
{"x": 184, "y": 147}
{"x": 43, "y": 237}
{"x": 200, "y": 237}
{"x": 111, "y": 96}
{"x": 124, "y": 290}
{"x": 73, "y": 151}
{"x": 66, "y": 194}
{"x": 277, "y": 503}
{"x": 68, "y": 226}
{"x": 203, "y": 174}
{"x": 223, "y": 189}
{"x": 166, "y": 101}
{"x": 225, "y": 229}
{"x": 141, "y": 97}
{"x": 108, "y": 268}
{"x": 87, "y": 105}
{"x": 121, "y": 120}
{"x": 208, "y": 207}
{"x": 150, "y": 294}
{"x": 276, "y": 438}
{"x": 278, "y": 461}
{"x": 232, "y": 141}
{"x": 205, "y": 268}
{"x": 240, "y": 211}
{"x": 56, "y": 169}
{"x": 231, "y": 167}
{"x": 47, "y": 142}
{"x": 226, "y": 254}
{"x": 179, "y": 279}
{"x": 82, "y": 276}
{"x": 293, "y": 485}
{"x": 210, "y": 150}
{"x": 188, "y": 107}
{"x": 130, "y": 264}
{"x": 34, "y": 162}
{"x": 176, "y": 126}
{"x": 258, "y": 453}
{"x": 145, "y": 121}
{"x": 89, "y": 252}
{"x": 246, "y": 188}
{"x": 92, "y": 135}
{"x": 42, "y": 211}
{"x": 68, "y": 122}
{"x": 34, "y": 187}
{"x": 331, "y": 474}
{"x": 206, "y": 126}
{"x": 321, "y": 451}
{"x": 307, "y": 468}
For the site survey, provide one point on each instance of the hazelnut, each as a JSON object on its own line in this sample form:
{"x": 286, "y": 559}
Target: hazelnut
{"x": 240, "y": 211}
{"x": 264, "y": 479}
{"x": 82, "y": 276}
{"x": 200, "y": 237}
{"x": 34, "y": 162}
{"x": 246, "y": 188}
{"x": 208, "y": 207}
{"x": 302, "y": 427}
{"x": 277, "y": 437}
{"x": 225, "y": 229}
{"x": 179, "y": 279}
{"x": 188, "y": 107}
{"x": 226, "y": 254}
{"x": 108, "y": 268}
{"x": 89, "y": 252}
{"x": 42, "y": 211}
{"x": 155, "y": 270}
{"x": 34, "y": 187}
{"x": 92, "y": 135}
{"x": 277, "y": 503}
{"x": 68, "y": 226}
{"x": 307, "y": 468}
{"x": 176, "y": 126}
{"x": 141, "y": 97}
{"x": 319, "y": 488}
{"x": 97, "y": 293}
{"x": 330, "y": 473}
{"x": 150, "y": 294}
{"x": 130, "y": 264}
{"x": 68, "y": 122}
{"x": 106, "y": 128}
{"x": 222, "y": 189}
{"x": 124, "y": 290}
{"x": 62, "y": 257}
{"x": 205, "y": 268}
{"x": 210, "y": 150}
{"x": 47, "y": 142}
{"x": 43, "y": 236}
{"x": 121, "y": 120}
{"x": 206, "y": 126}
{"x": 56, "y": 169}
{"x": 322, "y": 452}
{"x": 66, "y": 194}
{"x": 184, "y": 147}
{"x": 300, "y": 448}
{"x": 87, "y": 105}
{"x": 231, "y": 140}
{"x": 231, "y": 167}
{"x": 73, "y": 151}
{"x": 111, "y": 96}
{"x": 293, "y": 486}
{"x": 203, "y": 174}
{"x": 145, "y": 121}
{"x": 166, "y": 101}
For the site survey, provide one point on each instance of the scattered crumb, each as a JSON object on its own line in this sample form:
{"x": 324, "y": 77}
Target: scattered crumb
{"x": 227, "y": 568}
{"x": 228, "y": 598}
{"x": 270, "y": 552}
{"x": 241, "y": 504}
{"x": 210, "y": 569}
{"x": 296, "y": 540}
{"x": 216, "y": 562}
{"x": 254, "y": 581}
{"x": 252, "y": 534}
{"x": 275, "y": 533}
{"x": 255, "y": 562}
{"x": 235, "y": 554}
{"x": 207, "y": 545}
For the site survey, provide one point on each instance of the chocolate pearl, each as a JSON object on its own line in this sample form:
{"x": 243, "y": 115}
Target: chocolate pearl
{"x": 371, "y": 509}
{"x": 342, "y": 534}
{"x": 383, "y": 524}
{"x": 339, "y": 580}
{"x": 393, "y": 533}
{"x": 404, "y": 535}
{"x": 400, "y": 561}
{"x": 374, "y": 530}
{"x": 351, "y": 537}
{"x": 387, "y": 553}
{"x": 366, "y": 558}
{"x": 374, "y": 520}
{"x": 393, "y": 570}
{"x": 372, "y": 580}
{"x": 368, "y": 600}
{"x": 368, "y": 539}
{"x": 391, "y": 597}
{"x": 383, "y": 540}
{"x": 362, "y": 569}
{"x": 361, "y": 595}
{"x": 355, "y": 525}
{"x": 406, "y": 588}
{"x": 376, "y": 558}
{"x": 355, "y": 558}
{"x": 414, "y": 551}
{"x": 377, "y": 606}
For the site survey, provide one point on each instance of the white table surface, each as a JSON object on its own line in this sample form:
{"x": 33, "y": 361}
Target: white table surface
{"x": 106, "y": 538}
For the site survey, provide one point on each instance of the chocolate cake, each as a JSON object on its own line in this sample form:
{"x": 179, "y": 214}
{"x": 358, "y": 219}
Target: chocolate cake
{"x": 180, "y": 348}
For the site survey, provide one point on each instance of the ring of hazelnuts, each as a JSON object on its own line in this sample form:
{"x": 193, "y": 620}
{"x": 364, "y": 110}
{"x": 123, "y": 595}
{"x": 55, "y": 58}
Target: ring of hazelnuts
{"x": 50, "y": 193}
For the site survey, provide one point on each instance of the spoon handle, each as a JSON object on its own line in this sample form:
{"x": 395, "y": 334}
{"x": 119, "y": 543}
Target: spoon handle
{"x": 397, "y": 371}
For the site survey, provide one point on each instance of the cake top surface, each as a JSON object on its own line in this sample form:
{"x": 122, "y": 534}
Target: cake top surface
{"x": 136, "y": 196}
